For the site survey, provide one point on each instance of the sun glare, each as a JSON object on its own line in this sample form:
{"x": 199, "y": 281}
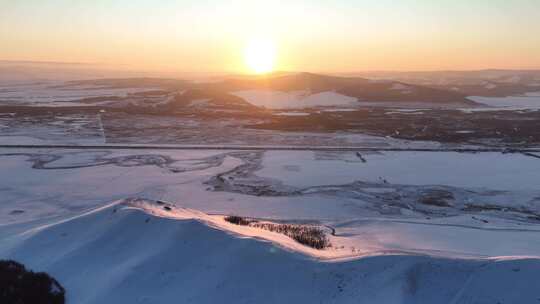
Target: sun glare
{"x": 260, "y": 55}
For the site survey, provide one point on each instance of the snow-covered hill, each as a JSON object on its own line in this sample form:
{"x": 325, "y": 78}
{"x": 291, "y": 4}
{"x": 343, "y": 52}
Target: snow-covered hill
{"x": 139, "y": 253}
{"x": 303, "y": 90}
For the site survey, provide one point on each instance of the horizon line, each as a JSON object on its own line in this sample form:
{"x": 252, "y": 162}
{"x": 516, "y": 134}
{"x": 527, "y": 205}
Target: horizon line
{"x": 148, "y": 70}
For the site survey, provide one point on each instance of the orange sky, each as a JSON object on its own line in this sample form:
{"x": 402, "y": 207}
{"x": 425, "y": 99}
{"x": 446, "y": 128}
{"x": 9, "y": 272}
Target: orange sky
{"x": 317, "y": 35}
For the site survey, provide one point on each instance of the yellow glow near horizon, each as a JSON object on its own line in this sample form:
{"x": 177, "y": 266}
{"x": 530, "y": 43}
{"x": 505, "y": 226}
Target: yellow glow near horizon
{"x": 311, "y": 35}
{"x": 260, "y": 55}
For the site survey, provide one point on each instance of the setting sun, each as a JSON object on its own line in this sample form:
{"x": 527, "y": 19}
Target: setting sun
{"x": 260, "y": 55}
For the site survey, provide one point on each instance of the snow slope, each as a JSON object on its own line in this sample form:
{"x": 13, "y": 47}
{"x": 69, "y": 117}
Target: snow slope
{"x": 122, "y": 254}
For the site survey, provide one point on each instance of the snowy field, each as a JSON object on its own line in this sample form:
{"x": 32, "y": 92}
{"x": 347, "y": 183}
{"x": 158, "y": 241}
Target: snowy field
{"x": 57, "y": 93}
{"x": 465, "y": 170}
{"x": 404, "y": 227}
{"x": 529, "y": 101}
{"x": 338, "y": 189}
{"x": 295, "y": 100}
{"x": 388, "y": 245}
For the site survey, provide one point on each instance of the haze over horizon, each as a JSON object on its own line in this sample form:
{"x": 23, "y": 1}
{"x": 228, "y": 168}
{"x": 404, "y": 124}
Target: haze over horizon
{"x": 315, "y": 36}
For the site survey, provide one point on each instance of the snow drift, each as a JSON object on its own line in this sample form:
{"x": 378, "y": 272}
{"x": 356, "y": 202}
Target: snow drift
{"x": 122, "y": 253}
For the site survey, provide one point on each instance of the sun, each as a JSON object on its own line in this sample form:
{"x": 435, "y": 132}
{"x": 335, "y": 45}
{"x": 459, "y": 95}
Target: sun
{"x": 260, "y": 55}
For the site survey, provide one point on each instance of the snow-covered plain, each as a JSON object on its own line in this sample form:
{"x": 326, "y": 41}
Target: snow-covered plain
{"x": 295, "y": 100}
{"x": 54, "y": 93}
{"x": 408, "y": 227}
{"x": 63, "y": 205}
{"x": 478, "y": 170}
{"x": 527, "y": 102}
{"x": 308, "y": 187}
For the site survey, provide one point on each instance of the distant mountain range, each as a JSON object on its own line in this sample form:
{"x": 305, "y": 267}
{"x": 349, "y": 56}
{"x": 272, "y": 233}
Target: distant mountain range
{"x": 493, "y": 83}
{"x": 321, "y": 90}
{"x": 302, "y": 90}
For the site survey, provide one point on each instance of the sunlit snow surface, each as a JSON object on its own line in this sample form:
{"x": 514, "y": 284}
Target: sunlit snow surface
{"x": 294, "y": 100}
{"x": 122, "y": 254}
{"x": 49, "y": 183}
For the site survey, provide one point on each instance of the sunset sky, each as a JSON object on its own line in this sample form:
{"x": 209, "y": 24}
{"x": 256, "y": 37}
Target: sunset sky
{"x": 317, "y": 35}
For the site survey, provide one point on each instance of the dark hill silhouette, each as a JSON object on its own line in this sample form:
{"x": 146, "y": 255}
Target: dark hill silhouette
{"x": 361, "y": 88}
